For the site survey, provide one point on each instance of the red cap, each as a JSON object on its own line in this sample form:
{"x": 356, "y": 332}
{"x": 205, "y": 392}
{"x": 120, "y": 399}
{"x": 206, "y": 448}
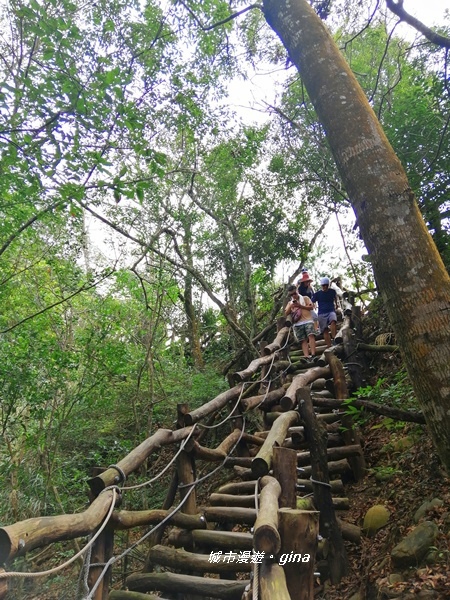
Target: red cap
{"x": 305, "y": 278}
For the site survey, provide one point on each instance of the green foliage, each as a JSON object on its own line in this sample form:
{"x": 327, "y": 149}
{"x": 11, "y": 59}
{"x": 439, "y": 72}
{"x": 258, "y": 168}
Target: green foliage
{"x": 396, "y": 392}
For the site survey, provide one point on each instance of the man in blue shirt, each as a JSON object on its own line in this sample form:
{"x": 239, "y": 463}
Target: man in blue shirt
{"x": 326, "y": 299}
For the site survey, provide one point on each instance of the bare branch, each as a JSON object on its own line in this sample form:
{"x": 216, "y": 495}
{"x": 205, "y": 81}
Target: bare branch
{"x": 83, "y": 288}
{"x": 432, "y": 36}
{"x": 219, "y": 23}
{"x": 27, "y": 224}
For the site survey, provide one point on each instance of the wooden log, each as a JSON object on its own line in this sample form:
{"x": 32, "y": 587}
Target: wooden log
{"x": 185, "y": 465}
{"x": 232, "y": 500}
{"x": 337, "y": 557}
{"x": 262, "y": 463}
{"x": 127, "y": 519}
{"x": 238, "y": 487}
{"x": 223, "y": 540}
{"x": 308, "y": 504}
{"x": 332, "y": 427}
{"x": 243, "y": 473}
{"x": 230, "y": 514}
{"x": 102, "y": 552}
{"x": 265, "y": 534}
{"x": 272, "y": 582}
{"x": 320, "y": 347}
{"x": 253, "y": 367}
{"x": 24, "y": 536}
{"x": 375, "y": 348}
{"x": 322, "y": 360}
{"x": 200, "y": 563}
{"x": 213, "y": 405}
{"x": 319, "y": 384}
{"x": 288, "y": 401}
{"x": 252, "y": 439}
{"x": 356, "y": 366}
{"x": 137, "y": 457}
{"x": 220, "y": 453}
{"x": 238, "y": 461}
{"x": 350, "y": 532}
{"x": 3, "y": 586}
{"x": 271, "y": 417}
{"x": 263, "y": 401}
{"x": 180, "y": 538}
{"x": 299, "y": 530}
{"x": 278, "y": 342}
{"x": 285, "y": 472}
{"x": 333, "y": 454}
{"x": 263, "y": 383}
{"x": 337, "y": 467}
{"x": 187, "y": 584}
{"x": 127, "y": 595}
{"x": 276, "y": 408}
{"x": 349, "y": 433}
{"x": 156, "y": 537}
{"x": 387, "y": 411}
{"x": 321, "y": 394}
{"x": 299, "y": 442}
{"x": 330, "y": 417}
{"x": 305, "y": 486}
{"x": 330, "y": 387}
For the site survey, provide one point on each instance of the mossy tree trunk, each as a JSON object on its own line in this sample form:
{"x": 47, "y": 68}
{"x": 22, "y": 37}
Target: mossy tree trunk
{"x": 411, "y": 275}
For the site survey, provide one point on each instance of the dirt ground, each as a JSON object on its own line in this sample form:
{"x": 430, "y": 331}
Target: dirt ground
{"x": 403, "y": 472}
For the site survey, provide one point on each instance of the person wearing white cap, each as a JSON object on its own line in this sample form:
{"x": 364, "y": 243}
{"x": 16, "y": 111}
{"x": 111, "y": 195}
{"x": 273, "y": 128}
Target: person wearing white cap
{"x": 326, "y": 299}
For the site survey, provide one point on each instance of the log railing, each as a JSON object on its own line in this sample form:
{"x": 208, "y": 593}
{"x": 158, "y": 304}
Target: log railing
{"x": 280, "y": 528}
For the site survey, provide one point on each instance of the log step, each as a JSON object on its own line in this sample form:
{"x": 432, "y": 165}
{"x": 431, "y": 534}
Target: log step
{"x": 127, "y": 595}
{"x": 232, "y": 500}
{"x": 190, "y": 561}
{"x": 187, "y": 584}
{"x": 223, "y": 540}
{"x": 239, "y": 487}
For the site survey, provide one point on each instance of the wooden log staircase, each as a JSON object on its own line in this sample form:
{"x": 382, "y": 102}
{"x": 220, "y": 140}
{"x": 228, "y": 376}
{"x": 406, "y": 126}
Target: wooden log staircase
{"x": 270, "y": 532}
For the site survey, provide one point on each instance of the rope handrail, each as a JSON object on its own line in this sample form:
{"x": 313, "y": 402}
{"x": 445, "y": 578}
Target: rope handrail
{"x": 118, "y": 473}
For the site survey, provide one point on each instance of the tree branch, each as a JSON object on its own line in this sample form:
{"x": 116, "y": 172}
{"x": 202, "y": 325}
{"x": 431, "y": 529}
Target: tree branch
{"x": 83, "y": 288}
{"x": 432, "y": 36}
{"x": 219, "y": 23}
{"x": 27, "y": 224}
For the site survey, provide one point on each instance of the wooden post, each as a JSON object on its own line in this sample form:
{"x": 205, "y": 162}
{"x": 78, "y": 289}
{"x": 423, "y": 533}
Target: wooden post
{"x": 356, "y": 364}
{"x": 298, "y": 530}
{"x": 186, "y": 469}
{"x": 329, "y": 528}
{"x": 263, "y": 385}
{"x": 265, "y": 536}
{"x": 349, "y": 434}
{"x": 156, "y": 537}
{"x": 3, "y": 586}
{"x": 285, "y": 471}
{"x": 272, "y": 582}
{"x": 102, "y": 551}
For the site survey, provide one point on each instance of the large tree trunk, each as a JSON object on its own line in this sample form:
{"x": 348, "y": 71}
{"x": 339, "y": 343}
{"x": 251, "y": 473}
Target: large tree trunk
{"x": 411, "y": 276}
